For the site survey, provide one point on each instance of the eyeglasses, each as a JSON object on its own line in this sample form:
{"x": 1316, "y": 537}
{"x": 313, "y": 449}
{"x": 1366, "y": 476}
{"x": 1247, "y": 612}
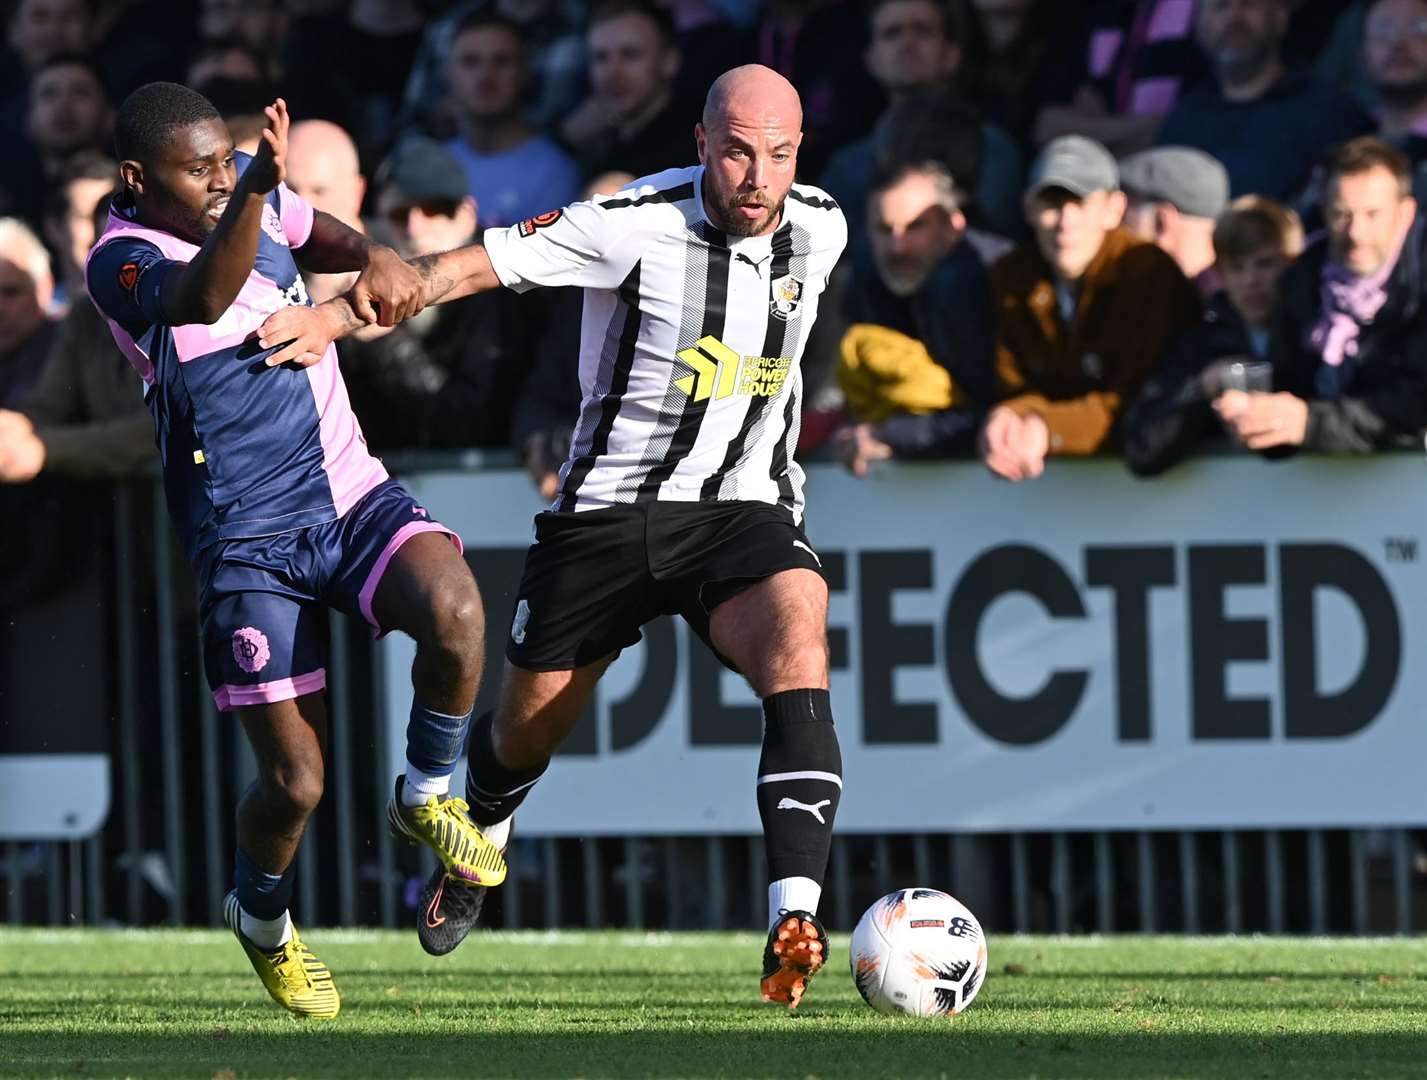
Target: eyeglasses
{"x": 1384, "y": 32}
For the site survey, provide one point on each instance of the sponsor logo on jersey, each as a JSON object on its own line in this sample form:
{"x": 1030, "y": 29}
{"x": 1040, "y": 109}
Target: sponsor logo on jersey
{"x": 522, "y": 618}
{"x": 128, "y": 276}
{"x": 717, "y": 372}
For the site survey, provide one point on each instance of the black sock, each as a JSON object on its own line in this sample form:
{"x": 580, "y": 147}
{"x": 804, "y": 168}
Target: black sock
{"x": 799, "y": 782}
{"x": 492, "y": 790}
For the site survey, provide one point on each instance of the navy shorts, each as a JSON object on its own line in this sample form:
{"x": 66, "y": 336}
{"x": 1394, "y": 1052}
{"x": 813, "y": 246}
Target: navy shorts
{"x": 262, "y": 601}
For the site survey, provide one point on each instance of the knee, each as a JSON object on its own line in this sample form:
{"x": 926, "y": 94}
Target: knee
{"x": 458, "y": 624}
{"x": 802, "y": 665}
{"x": 296, "y": 787}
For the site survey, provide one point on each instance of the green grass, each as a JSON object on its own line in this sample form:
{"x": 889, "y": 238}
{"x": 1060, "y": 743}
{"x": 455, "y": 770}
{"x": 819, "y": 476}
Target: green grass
{"x": 180, "y": 1003}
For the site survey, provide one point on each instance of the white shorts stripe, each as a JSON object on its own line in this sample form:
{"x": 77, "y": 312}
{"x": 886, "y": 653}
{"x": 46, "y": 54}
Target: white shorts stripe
{"x": 773, "y": 778}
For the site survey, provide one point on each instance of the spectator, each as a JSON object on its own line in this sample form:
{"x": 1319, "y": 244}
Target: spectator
{"x": 227, "y": 60}
{"x": 918, "y": 368}
{"x": 1267, "y": 124}
{"x": 818, "y": 45}
{"x": 1255, "y": 241}
{"x": 449, "y": 377}
{"x": 1083, "y": 314}
{"x": 632, "y": 121}
{"x": 1175, "y": 194}
{"x": 85, "y": 414}
{"x": 1349, "y": 339}
{"x": 69, "y": 112}
{"x": 349, "y": 63}
{"x": 1125, "y": 65}
{"x": 323, "y": 168}
{"x": 1394, "y": 59}
{"x": 914, "y": 51}
{"x": 554, "y": 49}
{"x": 26, "y": 287}
{"x": 512, "y": 172}
{"x": 85, "y": 181}
{"x": 260, "y": 25}
{"x": 1006, "y": 43}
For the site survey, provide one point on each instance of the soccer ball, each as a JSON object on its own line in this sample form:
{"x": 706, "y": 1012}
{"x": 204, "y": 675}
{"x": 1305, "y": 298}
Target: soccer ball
{"x": 919, "y": 952}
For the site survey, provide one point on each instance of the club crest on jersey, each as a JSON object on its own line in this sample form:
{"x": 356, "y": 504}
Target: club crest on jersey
{"x": 128, "y": 276}
{"x": 272, "y": 225}
{"x": 787, "y": 295}
{"x": 540, "y": 221}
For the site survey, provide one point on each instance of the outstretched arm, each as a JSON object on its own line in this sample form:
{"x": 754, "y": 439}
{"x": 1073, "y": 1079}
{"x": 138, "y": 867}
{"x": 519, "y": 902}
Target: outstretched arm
{"x": 305, "y": 332}
{"x": 202, "y": 290}
{"x": 388, "y": 291}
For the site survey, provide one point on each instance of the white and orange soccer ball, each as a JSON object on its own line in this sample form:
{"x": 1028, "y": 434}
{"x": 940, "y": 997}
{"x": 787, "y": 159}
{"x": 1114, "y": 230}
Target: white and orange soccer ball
{"x": 919, "y": 952}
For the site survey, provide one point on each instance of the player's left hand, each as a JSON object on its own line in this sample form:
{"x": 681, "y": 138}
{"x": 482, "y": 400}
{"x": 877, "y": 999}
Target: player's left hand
{"x": 22, "y": 452}
{"x": 1260, "y": 421}
{"x": 302, "y": 332}
{"x": 268, "y": 168}
{"x": 389, "y": 290}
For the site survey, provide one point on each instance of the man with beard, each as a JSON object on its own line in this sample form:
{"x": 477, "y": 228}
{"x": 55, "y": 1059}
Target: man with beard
{"x": 918, "y": 364}
{"x": 1267, "y": 124}
{"x": 680, "y": 494}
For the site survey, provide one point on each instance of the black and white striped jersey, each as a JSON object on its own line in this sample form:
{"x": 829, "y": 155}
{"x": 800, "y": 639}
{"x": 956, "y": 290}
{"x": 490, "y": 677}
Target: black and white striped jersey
{"x": 690, "y": 342}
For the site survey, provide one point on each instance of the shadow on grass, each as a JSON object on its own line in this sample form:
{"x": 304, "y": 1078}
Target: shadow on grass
{"x": 811, "y": 1050}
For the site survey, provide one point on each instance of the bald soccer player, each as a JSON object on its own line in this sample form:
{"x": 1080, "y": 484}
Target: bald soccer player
{"x": 680, "y": 494}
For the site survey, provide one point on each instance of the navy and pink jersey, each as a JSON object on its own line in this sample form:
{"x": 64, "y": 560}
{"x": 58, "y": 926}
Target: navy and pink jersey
{"x": 247, "y": 450}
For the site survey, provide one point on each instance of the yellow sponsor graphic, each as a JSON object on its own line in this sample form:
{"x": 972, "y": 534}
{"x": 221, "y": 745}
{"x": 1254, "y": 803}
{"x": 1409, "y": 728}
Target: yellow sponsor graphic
{"x": 717, "y": 371}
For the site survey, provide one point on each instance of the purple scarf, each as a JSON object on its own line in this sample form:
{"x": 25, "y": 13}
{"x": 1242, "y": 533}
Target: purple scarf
{"x": 1350, "y": 302}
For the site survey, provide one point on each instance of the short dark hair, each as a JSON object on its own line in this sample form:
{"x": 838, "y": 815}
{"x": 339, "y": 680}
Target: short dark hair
{"x": 932, "y": 126}
{"x": 615, "y": 9}
{"x": 151, "y": 114}
{"x": 73, "y": 59}
{"x": 485, "y": 18}
{"x": 951, "y": 24}
{"x": 889, "y": 174}
{"x": 1365, "y": 153}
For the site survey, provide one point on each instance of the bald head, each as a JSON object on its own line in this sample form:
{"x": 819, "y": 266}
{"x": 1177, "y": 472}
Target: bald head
{"x": 748, "y": 144}
{"x": 755, "y": 96}
{"x": 322, "y": 167}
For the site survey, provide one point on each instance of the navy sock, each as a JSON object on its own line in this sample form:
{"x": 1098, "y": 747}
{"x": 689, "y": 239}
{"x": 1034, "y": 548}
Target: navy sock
{"x": 260, "y": 894}
{"x": 434, "y": 740}
{"x": 492, "y": 790}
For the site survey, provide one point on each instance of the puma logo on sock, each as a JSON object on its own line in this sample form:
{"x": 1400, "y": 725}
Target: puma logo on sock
{"x": 815, "y": 809}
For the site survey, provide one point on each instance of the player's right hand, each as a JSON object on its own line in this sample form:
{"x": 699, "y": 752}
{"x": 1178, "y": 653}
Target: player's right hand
{"x": 298, "y": 334}
{"x": 268, "y": 168}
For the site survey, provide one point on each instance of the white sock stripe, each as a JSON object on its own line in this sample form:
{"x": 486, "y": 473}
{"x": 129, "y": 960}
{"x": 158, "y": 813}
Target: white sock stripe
{"x": 809, "y": 774}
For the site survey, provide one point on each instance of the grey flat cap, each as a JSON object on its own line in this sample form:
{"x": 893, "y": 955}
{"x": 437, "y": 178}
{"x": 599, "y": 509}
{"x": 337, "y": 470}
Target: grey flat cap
{"x": 1190, "y": 180}
{"x": 1075, "y": 163}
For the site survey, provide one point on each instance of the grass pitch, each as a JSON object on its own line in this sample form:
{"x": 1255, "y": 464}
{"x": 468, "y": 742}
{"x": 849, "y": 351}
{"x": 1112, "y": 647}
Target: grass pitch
{"x": 185, "y": 1003}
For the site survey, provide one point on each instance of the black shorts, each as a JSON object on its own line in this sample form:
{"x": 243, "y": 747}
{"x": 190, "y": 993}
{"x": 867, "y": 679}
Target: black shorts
{"x": 593, "y": 578}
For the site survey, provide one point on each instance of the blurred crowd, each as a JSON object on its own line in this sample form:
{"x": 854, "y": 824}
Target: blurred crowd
{"x": 1128, "y": 226}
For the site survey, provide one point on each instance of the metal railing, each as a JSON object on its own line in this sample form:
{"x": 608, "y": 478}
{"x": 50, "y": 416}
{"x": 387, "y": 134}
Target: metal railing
{"x": 165, "y": 853}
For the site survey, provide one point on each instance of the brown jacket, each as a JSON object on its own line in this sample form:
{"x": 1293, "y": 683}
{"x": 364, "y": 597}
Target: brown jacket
{"x": 1133, "y": 302}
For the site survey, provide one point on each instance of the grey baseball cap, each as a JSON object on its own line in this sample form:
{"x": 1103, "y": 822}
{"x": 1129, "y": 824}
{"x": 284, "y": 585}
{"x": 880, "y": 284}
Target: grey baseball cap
{"x": 420, "y": 169}
{"x": 1191, "y": 181}
{"x": 1075, "y": 163}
